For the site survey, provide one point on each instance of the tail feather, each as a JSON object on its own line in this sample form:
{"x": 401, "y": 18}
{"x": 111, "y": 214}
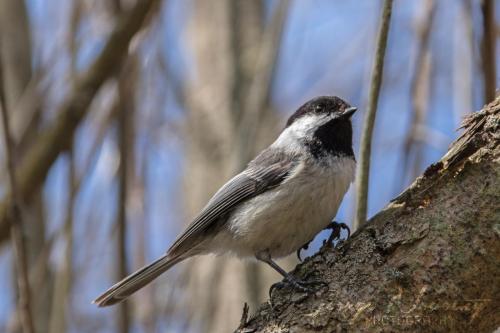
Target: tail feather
{"x": 136, "y": 281}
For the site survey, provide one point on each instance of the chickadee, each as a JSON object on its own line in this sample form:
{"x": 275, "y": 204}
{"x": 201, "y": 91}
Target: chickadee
{"x": 287, "y": 194}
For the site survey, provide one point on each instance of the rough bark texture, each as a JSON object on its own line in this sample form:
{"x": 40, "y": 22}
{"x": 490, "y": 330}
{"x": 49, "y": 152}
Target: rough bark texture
{"x": 430, "y": 261}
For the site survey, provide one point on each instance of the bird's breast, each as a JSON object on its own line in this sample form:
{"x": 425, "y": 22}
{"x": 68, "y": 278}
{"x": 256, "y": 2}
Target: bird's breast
{"x": 283, "y": 219}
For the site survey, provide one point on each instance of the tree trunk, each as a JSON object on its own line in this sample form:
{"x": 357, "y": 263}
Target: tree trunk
{"x": 16, "y": 83}
{"x": 429, "y": 261}
{"x": 228, "y": 121}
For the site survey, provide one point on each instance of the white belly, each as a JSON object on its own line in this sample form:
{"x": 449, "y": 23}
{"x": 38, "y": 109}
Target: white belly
{"x": 283, "y": 219}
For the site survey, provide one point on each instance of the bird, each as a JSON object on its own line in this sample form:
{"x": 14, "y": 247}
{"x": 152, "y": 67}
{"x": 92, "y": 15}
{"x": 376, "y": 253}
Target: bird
{"x": 284, "y": 197}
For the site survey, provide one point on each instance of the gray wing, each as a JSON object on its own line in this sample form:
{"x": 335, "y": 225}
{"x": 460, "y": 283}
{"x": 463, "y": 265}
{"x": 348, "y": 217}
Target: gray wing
{"x": 246, "y": 185}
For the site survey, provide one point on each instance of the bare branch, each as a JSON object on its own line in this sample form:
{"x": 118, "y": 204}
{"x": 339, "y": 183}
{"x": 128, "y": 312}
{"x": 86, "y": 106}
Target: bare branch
{"x": 54, "y": 139}
{"x": 260, "y": 86}
{"x": 488, "y": 49}
{"x": 363, "y": 170}
{"x": 419, "y": 92}
{"x": 125, "y": 116}
{"x": 15, "y": 218}
{"x": 463, "y": 62}
{"x": 63, "y": 280}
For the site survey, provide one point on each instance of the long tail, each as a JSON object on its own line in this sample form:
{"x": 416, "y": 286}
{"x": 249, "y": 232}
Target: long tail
{"x": 136, "y": 281}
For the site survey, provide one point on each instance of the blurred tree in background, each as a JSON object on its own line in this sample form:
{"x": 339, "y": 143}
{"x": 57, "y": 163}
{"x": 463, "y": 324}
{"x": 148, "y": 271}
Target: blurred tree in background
{"x": 126, "y": 116}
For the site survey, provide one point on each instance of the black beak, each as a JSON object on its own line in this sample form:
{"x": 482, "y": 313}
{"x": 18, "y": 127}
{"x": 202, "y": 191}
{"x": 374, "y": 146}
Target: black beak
{"x": 349, "y": 112}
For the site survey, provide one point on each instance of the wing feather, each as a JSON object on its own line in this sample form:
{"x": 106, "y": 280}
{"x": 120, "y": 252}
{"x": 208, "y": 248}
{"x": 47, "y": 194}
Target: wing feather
{"x": 242, "y": 187}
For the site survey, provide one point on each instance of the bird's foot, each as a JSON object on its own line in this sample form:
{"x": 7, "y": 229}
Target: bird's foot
{"x": 336, "y": 228}
{"x": 308, "y": 287}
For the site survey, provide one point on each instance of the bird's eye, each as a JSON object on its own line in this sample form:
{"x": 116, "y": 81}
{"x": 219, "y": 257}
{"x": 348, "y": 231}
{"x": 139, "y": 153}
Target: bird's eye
{"x": 319, "y": 108}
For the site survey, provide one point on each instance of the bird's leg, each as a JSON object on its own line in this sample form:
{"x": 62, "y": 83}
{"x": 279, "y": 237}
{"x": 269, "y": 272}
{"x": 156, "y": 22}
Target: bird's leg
{"x": 303, "y": 286}
{"x": 336, "y": 228}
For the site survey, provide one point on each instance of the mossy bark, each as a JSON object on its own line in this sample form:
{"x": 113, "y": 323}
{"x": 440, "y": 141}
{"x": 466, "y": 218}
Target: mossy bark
{"x": 430, "y": 261}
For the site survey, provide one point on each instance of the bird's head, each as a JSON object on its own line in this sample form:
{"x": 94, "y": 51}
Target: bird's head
{"x": 322, "y": 109}
{"x": 322, "y": 125}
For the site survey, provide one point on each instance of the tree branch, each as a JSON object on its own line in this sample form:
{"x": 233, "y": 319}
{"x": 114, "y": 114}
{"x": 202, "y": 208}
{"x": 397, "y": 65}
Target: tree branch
{"x": 260, "y": 85}
{"x": 15, "y": 217}
{"x": 427, "y": 262}
{"x": 419, "y": 94}
{"x": 65, "y": 274}
{"x": 125, "y": 119}
{"x": 488, "y": 49}
{"x": 363, "y": 170}
{"x": 54, "y": 139}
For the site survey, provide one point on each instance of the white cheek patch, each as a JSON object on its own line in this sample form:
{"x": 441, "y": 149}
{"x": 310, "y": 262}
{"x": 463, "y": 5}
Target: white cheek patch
{"x": 291, "y": 138}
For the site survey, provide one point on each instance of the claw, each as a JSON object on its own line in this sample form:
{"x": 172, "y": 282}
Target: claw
{"x": 336, "y": 229}
{"x": 303, "y": 247}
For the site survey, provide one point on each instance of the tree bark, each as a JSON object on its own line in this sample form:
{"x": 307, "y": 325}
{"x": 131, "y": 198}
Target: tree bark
{"x": 429, "y": 261}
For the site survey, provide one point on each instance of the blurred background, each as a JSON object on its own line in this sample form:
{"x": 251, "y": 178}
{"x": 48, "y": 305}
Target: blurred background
{"x": 155, "y": 129}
